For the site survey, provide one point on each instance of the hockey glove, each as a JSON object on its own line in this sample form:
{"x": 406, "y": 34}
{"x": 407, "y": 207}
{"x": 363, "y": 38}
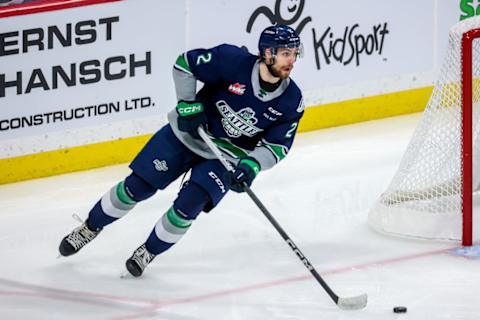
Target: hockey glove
{"x": 190, "y": 116}
{"x": 247, "y": 169}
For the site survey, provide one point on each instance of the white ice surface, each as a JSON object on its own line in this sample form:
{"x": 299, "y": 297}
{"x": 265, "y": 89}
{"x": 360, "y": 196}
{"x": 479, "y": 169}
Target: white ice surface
{"x": 232, "y": 264}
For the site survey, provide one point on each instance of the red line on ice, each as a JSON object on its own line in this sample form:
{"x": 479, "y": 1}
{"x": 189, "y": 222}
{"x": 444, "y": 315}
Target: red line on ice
{"x": 150, "y": 306}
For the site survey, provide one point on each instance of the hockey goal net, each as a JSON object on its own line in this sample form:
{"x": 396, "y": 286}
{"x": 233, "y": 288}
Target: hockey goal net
{"x": 430, "y": 196}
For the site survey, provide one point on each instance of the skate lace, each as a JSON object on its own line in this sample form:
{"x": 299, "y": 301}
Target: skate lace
{"x": 142, "y": 257}
{"x": 81, "y": 235}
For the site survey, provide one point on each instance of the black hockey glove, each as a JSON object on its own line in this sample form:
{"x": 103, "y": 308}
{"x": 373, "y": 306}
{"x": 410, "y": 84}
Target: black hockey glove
{"x": 247, "y": 169}
{"x": 190, "y": 116}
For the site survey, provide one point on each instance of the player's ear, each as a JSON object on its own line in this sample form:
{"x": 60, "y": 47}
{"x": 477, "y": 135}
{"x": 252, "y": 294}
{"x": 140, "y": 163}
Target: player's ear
{"x": 268, "y": 55}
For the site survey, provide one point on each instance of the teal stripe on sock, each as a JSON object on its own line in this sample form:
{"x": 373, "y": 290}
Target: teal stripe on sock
{"x": 122, "y": 194}
{"x": 176, "y": 220}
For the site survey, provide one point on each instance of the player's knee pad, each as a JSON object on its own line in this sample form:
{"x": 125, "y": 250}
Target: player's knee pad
{"x": 191, "y": 200}
{"x": 138, "y": 189}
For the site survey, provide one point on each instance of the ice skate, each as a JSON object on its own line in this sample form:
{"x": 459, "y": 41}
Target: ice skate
{"x": 139, "y": 261}
{"x": 77, "y": 239}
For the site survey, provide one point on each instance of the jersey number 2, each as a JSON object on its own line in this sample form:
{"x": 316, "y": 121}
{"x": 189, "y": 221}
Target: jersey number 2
{"x": 292, "y": 130}
{"x": 204, "y": 58}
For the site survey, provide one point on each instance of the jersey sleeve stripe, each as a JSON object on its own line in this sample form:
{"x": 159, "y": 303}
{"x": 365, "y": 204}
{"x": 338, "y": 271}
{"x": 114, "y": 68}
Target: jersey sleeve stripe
{"x": 278, "y": 150}
{"x": 182, "y": 64}
{"x": 230, "y": 149}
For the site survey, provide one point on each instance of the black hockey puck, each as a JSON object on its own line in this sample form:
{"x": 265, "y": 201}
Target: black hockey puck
{"x": 400, "y": 309}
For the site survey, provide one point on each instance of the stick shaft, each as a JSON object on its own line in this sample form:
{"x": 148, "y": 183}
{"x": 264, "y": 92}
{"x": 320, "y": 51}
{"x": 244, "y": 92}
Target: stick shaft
{"x": 292, "y": 244}
{"x": 270, "y": 218}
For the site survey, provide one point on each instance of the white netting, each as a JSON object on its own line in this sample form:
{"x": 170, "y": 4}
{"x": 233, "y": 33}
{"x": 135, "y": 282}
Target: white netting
{"x": 423, "y": 199}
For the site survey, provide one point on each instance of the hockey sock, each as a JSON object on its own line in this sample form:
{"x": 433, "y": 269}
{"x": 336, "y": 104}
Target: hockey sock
{"x": 177, "y": 220}
{"x": 168, "y": 230}
{"x": 118, "y": 201}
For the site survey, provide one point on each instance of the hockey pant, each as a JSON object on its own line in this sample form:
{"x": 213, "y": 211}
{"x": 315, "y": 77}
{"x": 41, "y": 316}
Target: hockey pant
{"x": 202, "y": 192}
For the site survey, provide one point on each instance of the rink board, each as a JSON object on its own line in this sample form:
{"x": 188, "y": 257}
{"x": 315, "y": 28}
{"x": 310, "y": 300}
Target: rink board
{"x": 371, "y": 85}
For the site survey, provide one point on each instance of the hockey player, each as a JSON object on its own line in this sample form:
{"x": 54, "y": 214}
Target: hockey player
{"x": 249, "y": 107}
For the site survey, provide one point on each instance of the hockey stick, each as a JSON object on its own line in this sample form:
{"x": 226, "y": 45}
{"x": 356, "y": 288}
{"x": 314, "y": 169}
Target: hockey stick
{"x": 345, "y": 303}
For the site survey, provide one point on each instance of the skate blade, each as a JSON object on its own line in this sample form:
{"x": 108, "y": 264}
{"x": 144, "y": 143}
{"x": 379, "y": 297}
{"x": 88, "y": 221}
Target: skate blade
{"x": 126, "y": 275}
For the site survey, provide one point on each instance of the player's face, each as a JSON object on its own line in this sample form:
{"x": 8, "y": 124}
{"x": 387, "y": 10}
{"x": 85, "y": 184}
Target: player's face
{"x": 284, "y": 61}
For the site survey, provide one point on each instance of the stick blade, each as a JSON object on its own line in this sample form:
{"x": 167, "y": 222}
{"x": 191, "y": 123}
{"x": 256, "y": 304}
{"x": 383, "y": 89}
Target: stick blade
{"x": 352, "y": 303}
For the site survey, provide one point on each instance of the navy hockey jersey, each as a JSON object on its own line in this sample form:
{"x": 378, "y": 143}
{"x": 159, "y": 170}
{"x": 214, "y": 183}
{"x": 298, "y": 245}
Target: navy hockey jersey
{"x": 243, "y": 119}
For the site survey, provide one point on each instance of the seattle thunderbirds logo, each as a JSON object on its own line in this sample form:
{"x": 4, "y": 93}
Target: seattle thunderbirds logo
{"x": 238, "y": 123}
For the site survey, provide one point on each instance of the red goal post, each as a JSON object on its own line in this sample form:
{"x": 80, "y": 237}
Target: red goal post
{"x": 467, "y": 154}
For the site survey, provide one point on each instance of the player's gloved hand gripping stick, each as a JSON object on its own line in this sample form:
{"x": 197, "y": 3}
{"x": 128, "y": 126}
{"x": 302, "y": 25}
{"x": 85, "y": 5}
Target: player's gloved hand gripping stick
{"x": 191, "y": 115}
{"x": 246, "y": 170}
{"x": 345, "y": 303}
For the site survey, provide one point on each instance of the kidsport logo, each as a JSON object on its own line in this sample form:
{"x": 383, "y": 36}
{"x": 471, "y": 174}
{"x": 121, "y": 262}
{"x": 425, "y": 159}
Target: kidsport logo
{"x": 469, "y": 8}
{"x": 345, "y": 46}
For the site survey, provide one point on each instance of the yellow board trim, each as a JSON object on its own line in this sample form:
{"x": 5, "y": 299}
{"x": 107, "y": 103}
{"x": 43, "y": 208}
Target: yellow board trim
{"x": 123, "y": 150}
{"x": 364, "y": 109}
{"x": 73, "y": 159}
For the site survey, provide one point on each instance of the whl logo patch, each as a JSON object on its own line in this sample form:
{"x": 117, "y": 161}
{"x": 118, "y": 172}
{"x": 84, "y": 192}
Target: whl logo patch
{"x": 238, "y": 123}
{"x": 237, "y": 88}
